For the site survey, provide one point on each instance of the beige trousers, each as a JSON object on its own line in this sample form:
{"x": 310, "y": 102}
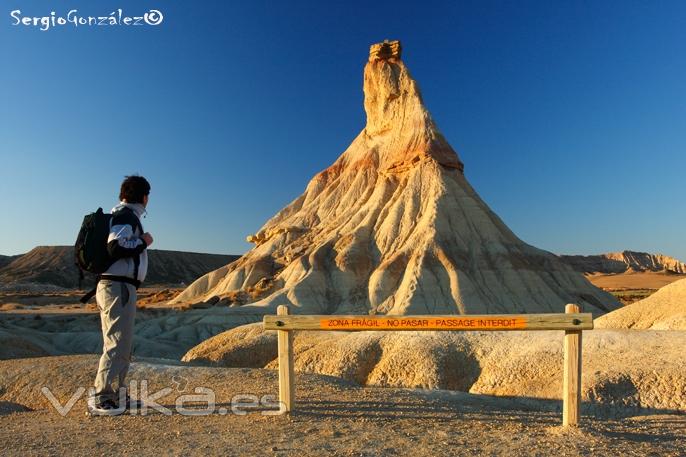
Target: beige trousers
{"x": 117, "y": 303}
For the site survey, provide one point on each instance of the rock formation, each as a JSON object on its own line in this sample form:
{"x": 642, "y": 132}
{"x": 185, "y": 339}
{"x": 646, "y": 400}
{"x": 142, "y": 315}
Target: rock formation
{"x": 625, "y": 261}
{"x": 393, "y": 227}
{"x": 664, "y": 310}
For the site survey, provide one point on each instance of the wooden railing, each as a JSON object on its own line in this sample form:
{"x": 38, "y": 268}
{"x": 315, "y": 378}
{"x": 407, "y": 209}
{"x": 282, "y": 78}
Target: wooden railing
{"x": 572, "y": 322}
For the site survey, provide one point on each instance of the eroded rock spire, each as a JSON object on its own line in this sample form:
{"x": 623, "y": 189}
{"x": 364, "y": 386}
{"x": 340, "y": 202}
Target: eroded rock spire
{"x": 395, "y": 109}
{"x": 393, "y": 227}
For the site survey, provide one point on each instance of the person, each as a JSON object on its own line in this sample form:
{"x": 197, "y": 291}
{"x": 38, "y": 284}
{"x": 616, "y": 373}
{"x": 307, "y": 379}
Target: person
{"x": 116, "y": 295}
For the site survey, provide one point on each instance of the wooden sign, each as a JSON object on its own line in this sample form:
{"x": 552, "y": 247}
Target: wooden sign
{"x": 572, "y": 322}
{"x": 489, "y": 322}
{"x": 430, "y": 323}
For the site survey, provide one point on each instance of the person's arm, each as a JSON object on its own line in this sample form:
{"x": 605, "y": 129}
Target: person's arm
{"x": 121, "y": 242}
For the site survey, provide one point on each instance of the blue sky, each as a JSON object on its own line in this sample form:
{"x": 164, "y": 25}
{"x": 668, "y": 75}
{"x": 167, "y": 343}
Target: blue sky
{"x": 570, "y": 117}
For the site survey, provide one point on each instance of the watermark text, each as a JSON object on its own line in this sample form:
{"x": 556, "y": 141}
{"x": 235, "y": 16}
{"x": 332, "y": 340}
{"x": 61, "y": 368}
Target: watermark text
{"x": 201, "y": 402}
{"x": 73, "y": 18}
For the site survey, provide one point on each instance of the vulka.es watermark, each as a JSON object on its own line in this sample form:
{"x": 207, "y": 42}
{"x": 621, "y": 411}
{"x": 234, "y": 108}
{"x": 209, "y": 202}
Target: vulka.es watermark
{"x": 200, "y": 403}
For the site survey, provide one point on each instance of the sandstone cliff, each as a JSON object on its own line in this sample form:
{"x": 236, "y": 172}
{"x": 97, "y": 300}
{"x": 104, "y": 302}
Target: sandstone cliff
{"x": 625, "y": 261}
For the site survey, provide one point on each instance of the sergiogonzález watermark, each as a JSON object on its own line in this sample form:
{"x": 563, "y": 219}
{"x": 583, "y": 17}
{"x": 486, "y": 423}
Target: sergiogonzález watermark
{"x": 74, "y": 19}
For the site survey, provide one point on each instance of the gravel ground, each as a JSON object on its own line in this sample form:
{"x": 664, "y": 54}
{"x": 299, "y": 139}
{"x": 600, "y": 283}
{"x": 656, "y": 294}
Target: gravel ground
{"x": 333, "y": 417}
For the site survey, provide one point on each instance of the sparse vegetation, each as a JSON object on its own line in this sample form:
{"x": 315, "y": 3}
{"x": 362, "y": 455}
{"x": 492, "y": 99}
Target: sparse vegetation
{"x": 628, "y": 296}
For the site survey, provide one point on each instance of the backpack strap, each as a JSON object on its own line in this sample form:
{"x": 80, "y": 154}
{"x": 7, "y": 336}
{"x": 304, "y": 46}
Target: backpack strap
{"x": 136, "y": 266}
{"x": 139, "y": 226}
{"x": 137, "y": 259}
{"x": 90, "y": 294}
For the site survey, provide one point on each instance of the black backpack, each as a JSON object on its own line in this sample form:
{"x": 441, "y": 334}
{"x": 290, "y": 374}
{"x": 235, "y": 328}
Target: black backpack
{"x": 90, "y": 249}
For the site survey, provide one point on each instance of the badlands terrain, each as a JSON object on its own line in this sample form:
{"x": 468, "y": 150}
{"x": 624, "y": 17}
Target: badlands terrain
{"x": 391, "y": 227}
{"x": 52, "y": 268}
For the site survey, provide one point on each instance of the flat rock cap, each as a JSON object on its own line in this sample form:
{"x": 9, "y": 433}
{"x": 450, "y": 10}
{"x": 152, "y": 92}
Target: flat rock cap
{"x": 385, "y": 50}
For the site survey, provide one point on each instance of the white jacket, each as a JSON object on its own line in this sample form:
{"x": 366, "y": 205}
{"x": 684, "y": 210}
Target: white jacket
{"x": 125, "y": 243}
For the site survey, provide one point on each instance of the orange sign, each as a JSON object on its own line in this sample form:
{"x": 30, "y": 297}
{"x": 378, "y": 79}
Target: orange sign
{"x": 423, "y": 323}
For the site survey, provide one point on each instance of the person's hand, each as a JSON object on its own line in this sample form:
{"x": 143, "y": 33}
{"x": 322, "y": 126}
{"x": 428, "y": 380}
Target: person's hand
{"x": 147, "y": 237}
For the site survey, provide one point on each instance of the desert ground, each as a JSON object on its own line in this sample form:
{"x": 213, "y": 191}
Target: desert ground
{"x": 630, "y": 287}
{"x": 56, "y": 323}
{"x": 333, "y": 416}
{"x": 498, "y": 394}
{"x": 633, "y": 281}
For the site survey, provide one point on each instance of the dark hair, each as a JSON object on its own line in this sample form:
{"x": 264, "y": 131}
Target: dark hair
{"x": 133, "y": 189}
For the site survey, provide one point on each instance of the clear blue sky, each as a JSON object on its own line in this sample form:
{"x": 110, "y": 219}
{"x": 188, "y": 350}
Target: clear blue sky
{"x": 570, "y": 117}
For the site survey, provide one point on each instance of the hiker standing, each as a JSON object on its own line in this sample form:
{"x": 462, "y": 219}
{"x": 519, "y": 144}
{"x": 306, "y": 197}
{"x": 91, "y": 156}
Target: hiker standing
{"x": 116, "y": 294}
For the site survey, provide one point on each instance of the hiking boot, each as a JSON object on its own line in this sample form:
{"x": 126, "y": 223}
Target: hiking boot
{"x": 104, "y": 408}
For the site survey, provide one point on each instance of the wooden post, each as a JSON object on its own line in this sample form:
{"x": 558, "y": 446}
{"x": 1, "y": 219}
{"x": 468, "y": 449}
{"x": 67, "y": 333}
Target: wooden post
{"x": 571, "y": 393}
{"x": 286, "y": 380}
{"x": 572, "y": 322}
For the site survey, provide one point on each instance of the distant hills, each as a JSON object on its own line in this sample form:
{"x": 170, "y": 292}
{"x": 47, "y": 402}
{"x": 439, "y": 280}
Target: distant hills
{"x": 624, "y": 262}
{"x": 54, "y": 266}
{"x": 6, "y": 259}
